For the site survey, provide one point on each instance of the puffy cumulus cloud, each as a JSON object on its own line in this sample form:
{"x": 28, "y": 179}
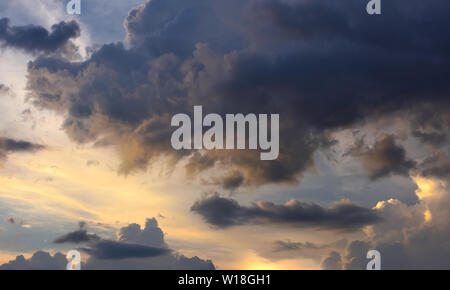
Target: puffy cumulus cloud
{"x": 251, "y": 56}
{"x": 150, "y": 235}
{"x": 135, "y": 248}
{"x": 384, "y": 158}
{"x": 37, "y": 39}
{"x": 223, "y": 212}
{"x": 411, "y": 236}
{"x": 8, "y": 146}
{"x": 39, "y": 261}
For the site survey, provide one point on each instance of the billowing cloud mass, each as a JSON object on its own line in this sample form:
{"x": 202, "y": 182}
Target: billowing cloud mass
{"x": 223, "y": 212}
{"x": 415, "y": 236}
{"x": 259, "y": 57}
{"x": 39, "y": 261}
{"x": 8, "y": 145}
{"x": 135, "y": 248}
{"x": 384, "y": 158}
{"x": 326, "y": 67}
{"x": 437, "y": 165}
{"x": 37, "y": 39}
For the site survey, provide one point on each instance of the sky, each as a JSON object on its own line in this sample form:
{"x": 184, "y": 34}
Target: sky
{"x": 86, "y": 160}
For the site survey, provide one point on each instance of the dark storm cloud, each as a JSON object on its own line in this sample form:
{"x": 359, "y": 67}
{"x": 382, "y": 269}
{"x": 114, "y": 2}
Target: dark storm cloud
{"x": 77, "y": 237}
{"x": 111, "y": 250}
{"x": 173, "y": 26}
{"x": 322, "y": 65}
{"x": 437, "y": 165}
{"x": 11, "y": 145}
{"x": 8, "y": 145}
{"x": 384, "y": 158}
{"x": 33, "y": 39}
{"x": 224, "y": 212}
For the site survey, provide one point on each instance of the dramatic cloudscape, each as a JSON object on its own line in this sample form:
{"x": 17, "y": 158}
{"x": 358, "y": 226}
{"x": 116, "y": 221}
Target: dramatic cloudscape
{"x": 86, "y": 103}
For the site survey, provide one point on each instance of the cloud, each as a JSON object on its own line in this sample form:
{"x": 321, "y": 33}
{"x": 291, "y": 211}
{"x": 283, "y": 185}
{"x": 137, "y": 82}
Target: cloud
{"x": 151, "y": 234}
{"x": 332, "y": 262}
{"x": 37, "y": 39}
{"x": 383, "y": 159}
{"x": 436, "y": 165}
{"x": 134, "y": 249}
{"x": 77, "y": 237}
{"x": 413, "y": 237}
{"x": 265, "y": 60}
{"x": 8, "y": 146}
{"x": 138, "y": 248}
{"x": 112, "y": 250}
{"x": 281, "y": 246}
{"x": 224, "y": 212}
{"x": 39, "y": 261}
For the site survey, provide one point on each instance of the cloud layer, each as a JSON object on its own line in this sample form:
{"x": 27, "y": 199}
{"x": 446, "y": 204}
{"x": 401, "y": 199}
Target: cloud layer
{"x": 37, "y": 39}
{"x": 252, "y": 56}
{"x": 135, "y": 249}
{"x": 224, "y": 212}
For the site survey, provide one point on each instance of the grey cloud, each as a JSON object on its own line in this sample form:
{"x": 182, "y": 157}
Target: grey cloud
{"x": 39, "y": 261}
{"x": 384, "y": 158}
{"x": 34, "y": 39}
{"x": 332, "y": 262}
{"x": 394, "y": 256}
{"x": 173, "y": 26}
{"x": 224, "y": 212}
{"x": 112, "y": 250}
{"x": 436, "y": 165}
{"x": 252, "y": 57}
{"x": 281, "y": 246}
{"x": 151, "y": 234}
{"x": 77, "y": 237}
{"x": 138, "y": 248}
{"x": 356, "y": 253}
{"x": 8, "y": 145}
{"x": 135, "y": 249}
